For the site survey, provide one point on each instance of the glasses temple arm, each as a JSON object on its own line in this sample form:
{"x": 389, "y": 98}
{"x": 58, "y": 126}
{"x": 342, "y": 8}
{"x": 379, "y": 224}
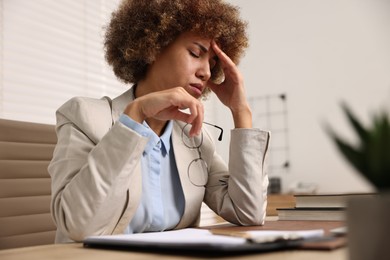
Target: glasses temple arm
{"x": 220, "y": 129}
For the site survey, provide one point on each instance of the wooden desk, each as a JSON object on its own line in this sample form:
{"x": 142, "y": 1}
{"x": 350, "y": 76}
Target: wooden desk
{"x": 76, "y": 251}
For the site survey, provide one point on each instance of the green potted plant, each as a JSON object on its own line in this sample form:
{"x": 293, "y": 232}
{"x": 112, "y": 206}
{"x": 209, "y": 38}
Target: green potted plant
{"x": 368, "y": 219}
{"x": 371, "y": 155}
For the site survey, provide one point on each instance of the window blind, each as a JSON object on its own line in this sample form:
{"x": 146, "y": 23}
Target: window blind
{"x": 52, "y": 51}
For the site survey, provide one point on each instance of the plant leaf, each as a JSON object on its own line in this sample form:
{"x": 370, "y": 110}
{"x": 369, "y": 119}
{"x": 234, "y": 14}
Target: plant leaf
{"x": 353, "y": 155}
{"x": 378, "y": 151}
{"x": 357, "y": 126}
{"x": 372, "y": 156}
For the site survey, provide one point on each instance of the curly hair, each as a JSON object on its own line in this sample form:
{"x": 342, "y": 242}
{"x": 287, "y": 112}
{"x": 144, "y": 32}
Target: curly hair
{"x": 140, "y": 29}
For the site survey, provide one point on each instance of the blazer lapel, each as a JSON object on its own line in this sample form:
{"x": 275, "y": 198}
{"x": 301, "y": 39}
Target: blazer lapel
{"x": 119, "y": 103}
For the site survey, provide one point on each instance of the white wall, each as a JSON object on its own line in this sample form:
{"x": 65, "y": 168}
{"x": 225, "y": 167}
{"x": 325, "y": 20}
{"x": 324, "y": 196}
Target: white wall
{"x": 319, "y": 52}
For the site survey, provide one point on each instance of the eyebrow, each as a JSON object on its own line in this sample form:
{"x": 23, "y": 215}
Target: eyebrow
{"x": 203, "y": 48}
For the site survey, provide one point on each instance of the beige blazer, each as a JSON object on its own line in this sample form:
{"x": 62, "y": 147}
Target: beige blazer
{"x": 96, "y": 172}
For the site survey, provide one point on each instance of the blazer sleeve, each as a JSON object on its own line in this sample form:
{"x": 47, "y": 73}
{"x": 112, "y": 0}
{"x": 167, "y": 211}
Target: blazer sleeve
{"x": 238, "y": 193}
{"x": 93, "y": 165}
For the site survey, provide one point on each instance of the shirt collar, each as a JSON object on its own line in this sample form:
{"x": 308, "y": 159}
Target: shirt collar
{"x": 154, "y": 139}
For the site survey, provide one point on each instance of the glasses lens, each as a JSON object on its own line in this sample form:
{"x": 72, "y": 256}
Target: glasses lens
{"x": 191, "y": 142}
{"x": 197, "y": 172}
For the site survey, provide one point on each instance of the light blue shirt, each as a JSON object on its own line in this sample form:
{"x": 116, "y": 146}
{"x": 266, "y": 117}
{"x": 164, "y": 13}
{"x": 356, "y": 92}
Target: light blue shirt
{"x": 162, "y": 200}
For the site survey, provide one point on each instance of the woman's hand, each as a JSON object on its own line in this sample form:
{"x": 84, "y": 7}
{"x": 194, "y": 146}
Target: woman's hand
{"x": 168, "y": 105}
{"x": 231, "y": 91}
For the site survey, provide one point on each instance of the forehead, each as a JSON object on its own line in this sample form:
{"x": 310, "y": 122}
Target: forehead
{"x": 188, "y": 40}
{"x": 190, "y": 37}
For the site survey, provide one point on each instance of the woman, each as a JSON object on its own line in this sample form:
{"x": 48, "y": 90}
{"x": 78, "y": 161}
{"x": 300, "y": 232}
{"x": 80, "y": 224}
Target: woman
{"x": 140, "y": 163}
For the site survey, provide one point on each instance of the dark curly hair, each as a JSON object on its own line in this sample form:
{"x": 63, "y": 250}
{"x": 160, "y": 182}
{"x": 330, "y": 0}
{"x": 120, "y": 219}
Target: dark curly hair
{"x": 140, "y": 29}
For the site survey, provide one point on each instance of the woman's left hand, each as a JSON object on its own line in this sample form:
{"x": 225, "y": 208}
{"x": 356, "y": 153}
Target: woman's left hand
{"x": 231, "y": 91}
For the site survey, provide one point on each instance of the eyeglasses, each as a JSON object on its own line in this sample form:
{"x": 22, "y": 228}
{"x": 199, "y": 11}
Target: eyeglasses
{"x": 197, "y": 169}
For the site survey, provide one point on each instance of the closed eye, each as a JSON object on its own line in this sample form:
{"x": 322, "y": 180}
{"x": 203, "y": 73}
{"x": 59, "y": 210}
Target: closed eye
{"x": 193, "y": 54}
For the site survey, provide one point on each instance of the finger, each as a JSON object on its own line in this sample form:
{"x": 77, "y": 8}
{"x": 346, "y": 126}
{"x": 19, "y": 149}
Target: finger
{"x": 197, "y": 114}
{"x": 182, "y": 99}
{"x": 225, "y": 60}
{"x": 229, "y": 68}
{"x": 199, "y": 120}
{"x": 181, "y": 116}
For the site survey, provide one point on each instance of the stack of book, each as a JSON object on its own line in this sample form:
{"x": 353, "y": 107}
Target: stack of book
{"x": 321, "y": 207}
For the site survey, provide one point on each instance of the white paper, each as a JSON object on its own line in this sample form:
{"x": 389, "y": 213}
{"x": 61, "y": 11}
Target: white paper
{"x": 193, "y": 236}
{"x": 302, "y": 233}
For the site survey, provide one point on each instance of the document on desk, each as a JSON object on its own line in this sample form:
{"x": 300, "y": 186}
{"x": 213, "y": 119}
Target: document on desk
{"x": 206, "y": 241}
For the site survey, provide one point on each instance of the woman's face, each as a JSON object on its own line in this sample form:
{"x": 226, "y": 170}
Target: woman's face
{"x": 186, "y": 62}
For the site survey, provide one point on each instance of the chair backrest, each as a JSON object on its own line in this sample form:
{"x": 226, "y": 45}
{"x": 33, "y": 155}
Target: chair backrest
{"x": 25, "y": 152}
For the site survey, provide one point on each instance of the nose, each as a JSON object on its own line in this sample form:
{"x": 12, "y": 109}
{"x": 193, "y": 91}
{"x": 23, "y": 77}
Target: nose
{"x": 204, "y": 72}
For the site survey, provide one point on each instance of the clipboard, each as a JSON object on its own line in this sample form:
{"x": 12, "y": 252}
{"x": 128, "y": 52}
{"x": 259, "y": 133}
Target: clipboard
{"x": 189, "y": 242}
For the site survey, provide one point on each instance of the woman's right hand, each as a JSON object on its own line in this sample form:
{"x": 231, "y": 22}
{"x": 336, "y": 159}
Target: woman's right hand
{"x": 168, "y": 105}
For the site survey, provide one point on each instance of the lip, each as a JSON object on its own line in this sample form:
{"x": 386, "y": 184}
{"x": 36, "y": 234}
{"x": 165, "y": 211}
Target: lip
{"x": 197, "y": 89}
